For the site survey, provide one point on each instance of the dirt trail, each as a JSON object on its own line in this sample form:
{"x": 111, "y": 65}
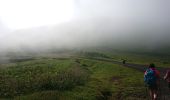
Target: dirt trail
{"x": 164, "y": 93}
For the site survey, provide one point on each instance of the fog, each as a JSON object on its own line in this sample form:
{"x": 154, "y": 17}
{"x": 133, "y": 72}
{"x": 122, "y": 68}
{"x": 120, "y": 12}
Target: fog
{"x": 96, "y": 23}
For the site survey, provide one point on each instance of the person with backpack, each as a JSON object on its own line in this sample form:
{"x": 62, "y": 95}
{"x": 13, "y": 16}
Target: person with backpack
{"x": 151, "y": 79}
{"x": 167, "y": 77}
{"x": 124, "y": 61}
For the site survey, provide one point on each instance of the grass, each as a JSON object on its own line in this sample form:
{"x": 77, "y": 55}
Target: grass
{"x": 160, "y": 61}
{"x": 137, "y": 58}
{"x": 120, "y": 81}
{"x": 40, "y": 75}
{"x": 70, "y": 79}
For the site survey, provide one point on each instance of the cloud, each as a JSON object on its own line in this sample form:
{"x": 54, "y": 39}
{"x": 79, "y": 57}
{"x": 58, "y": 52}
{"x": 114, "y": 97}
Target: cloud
{"x": 126, "y": 23}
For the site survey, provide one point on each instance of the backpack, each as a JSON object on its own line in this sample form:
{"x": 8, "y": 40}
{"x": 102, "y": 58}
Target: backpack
{"x": 150, "y": 77}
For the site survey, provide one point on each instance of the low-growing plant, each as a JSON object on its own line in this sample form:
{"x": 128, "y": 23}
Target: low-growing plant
{"x": 25, "y": 81}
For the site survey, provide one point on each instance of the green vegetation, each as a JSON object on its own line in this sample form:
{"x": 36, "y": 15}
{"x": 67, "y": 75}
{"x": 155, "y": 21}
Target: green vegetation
{"x": 70, "y": 79}
{"x": 94, "y": 55}
{"x": 160, "y": 60}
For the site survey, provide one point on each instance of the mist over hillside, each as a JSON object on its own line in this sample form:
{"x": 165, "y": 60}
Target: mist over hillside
{"x": 82, "y": 34}
{"x": 126, "y": 25}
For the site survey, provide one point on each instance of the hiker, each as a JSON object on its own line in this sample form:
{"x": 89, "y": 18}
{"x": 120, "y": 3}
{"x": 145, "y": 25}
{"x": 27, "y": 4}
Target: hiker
{"x": 124, "y": 61}
{"x": 167, "y": 77}
{"x": 151, "y": 78}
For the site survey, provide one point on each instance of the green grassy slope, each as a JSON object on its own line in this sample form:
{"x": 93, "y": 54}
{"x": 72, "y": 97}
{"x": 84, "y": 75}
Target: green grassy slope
{"x": 70, "y": 79}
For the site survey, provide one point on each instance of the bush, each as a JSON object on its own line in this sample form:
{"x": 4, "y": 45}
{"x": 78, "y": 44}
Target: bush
{"x": 11, "y": 86}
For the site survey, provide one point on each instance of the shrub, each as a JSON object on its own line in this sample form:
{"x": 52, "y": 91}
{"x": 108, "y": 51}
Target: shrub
{"x": 67, "y": 79}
